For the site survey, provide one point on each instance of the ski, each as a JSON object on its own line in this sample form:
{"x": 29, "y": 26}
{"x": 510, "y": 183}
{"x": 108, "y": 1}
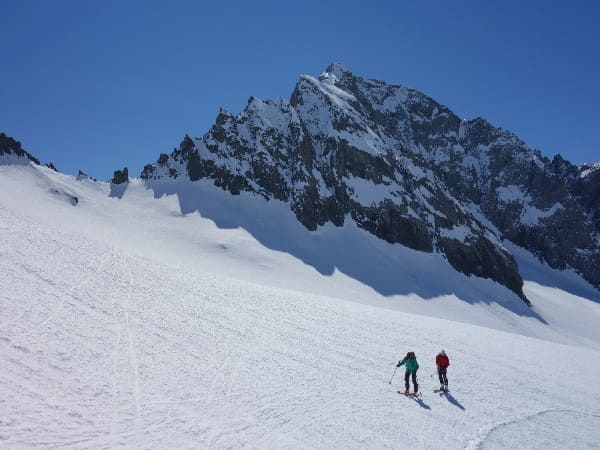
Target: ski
{"x": 410, "y": 394}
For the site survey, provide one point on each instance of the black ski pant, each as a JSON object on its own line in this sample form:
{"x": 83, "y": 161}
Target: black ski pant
{"x": 407, "y": 374}
{"x": 442, "y": 375}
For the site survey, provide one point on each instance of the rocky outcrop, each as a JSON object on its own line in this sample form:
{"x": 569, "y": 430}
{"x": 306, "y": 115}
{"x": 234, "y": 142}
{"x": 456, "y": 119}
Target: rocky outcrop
{"x": 84, "y": 176}
{"x": 585, "y": 186}
{"x": 10, "y": 147}
{"x": 120, "y": 176}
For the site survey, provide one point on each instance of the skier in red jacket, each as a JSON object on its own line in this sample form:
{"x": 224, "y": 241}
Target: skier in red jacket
{"x": 442, "y": 362}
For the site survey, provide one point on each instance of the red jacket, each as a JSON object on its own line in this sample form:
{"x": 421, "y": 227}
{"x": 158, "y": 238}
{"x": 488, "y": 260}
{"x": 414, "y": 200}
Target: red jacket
{"x": 442, "y": 361}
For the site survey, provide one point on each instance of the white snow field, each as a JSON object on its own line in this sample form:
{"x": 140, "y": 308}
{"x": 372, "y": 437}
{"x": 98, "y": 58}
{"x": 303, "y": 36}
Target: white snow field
{"x": 125, "y": 323}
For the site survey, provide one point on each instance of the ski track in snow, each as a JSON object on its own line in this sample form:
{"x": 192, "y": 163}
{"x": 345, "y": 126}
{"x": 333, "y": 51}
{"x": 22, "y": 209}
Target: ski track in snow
{"x": 482, "y": 441}
{"x": 103, "y": 348}
{"x": 130, "y": 342}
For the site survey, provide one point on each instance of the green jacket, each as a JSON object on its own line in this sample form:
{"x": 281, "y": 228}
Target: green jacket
{"x": 411, "y": 364}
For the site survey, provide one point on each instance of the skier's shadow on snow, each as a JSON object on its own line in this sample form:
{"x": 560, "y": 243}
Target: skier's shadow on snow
{"x": 421, "y": 403}
{"x": 453, "y": 400}
{"x": 388, "y": 269}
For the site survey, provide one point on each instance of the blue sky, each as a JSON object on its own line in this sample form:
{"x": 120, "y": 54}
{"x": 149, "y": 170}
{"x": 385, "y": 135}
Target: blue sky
{"x": 100, "y": 85}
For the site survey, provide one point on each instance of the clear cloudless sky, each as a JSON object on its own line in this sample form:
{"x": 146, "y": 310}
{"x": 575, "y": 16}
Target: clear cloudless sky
{"x": 98, "y": 85}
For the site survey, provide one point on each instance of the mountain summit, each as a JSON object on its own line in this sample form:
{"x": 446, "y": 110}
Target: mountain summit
{"x": 406, "y": 169}
{"x": 337, "y": 69}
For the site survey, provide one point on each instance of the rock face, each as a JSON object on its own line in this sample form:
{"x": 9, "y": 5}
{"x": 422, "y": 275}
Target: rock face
{"x": 121, "y": 176}
{"x": 84, "y": 176}
{"x": 406, "y": 169}
{"x": 11, "y": 148}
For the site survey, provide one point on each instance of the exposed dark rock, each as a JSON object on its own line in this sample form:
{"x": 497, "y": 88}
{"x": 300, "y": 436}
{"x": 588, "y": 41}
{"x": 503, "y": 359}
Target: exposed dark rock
{"x": 389, "y": 222}
{"x": 120, "y": 176}
{"x": 483, "y": 259}
{"x": 8, "y": 146}
{"x": 83, "y": 176}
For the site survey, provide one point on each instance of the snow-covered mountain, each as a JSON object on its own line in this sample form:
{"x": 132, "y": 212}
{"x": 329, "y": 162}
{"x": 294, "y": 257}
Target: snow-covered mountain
{"x": 127, "y": 322}
{"x": 165, "y": 312}
{"x": 406, "y": 169}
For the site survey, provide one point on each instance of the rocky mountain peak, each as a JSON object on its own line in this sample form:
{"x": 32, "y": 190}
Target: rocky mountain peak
{"x": 405, "y": 168}
{"x": 338, "y": 70}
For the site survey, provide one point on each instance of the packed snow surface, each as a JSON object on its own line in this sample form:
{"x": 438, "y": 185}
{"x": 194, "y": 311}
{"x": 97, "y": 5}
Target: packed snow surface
{"x": 160, "y": 320}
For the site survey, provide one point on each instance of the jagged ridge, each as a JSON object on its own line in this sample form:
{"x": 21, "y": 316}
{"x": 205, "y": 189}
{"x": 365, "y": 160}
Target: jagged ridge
{"x": 404, "y": 168}
{"x": 401, "y": 166}
{"x": 12, "y": 148}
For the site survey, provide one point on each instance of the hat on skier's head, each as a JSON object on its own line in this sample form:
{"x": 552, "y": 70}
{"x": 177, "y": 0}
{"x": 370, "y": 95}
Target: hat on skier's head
{"x": 443, "y": 352}
{"x": 410, "y": 355}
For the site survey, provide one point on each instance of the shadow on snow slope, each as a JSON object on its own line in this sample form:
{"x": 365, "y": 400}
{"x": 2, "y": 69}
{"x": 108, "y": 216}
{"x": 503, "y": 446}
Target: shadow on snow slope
{"x": 532, "y": 269}
{"x": 118, "y": 190}
{"x": 452, "y": 400}
{"x": 386, "y": 268}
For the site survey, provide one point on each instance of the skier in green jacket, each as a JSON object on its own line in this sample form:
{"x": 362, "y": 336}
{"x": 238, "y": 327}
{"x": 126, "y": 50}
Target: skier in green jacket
{"x": 410, "y": 360}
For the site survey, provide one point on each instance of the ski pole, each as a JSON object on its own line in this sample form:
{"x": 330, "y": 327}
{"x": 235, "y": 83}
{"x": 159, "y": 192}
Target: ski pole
{"x": 390, "y": 382}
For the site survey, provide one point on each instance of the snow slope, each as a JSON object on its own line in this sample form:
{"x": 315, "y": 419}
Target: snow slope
{"x": 125, "y": 323}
